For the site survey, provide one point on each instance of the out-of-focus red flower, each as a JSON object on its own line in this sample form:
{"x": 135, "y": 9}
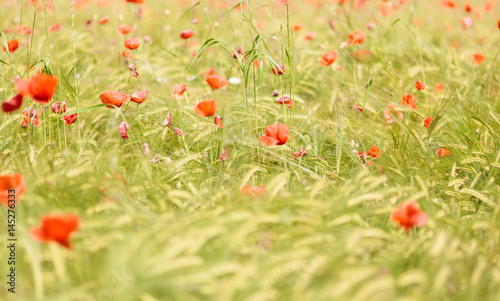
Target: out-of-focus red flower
{"x": 179, "y": 90}
{"x": 58, "y": 107}
{"x": 132, "y": 43}
{"x": 310, "y": 35}
{"x": 12, "y": 44}
{"x": 409, "y": 215}
{"x": 254, "y": 191}
{"x": 278, "y": 70}
{"x": 285, "y": 100}
{"x": 427, "y": 122}
{"x": 42, "y": 87}
{"x": 419, "y": 85}
{"x": 409, "y": 101}
{"x": 7, "y": 184}
{"x": 104, "y": 20}
{"x": 216, "y": 81}
{"x": 218, "y": 121}
{"x": 391, "y": 109}
{"x": 56, "y": 228}
{"x": 439, "y": 87}
{"x": 55, "y": 27}
{"x": 123, "y": 129}
{"x": 186, "y": 34}
{"x": 328, "y": 58}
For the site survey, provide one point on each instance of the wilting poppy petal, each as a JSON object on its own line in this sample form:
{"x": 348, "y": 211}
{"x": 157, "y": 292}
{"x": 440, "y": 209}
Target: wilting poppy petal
{"x": 122, "y": 129}
{"x": 12, "y": 45}
{"x": 13, "y": 104}
{"x": 124, "y": 29}
{"x": 419, "y": 85}
{"x": 374, "y": 152}
{"x": 278, "y": 70}
{"x": 205, "y": 108}
{"x": 276, "y": 134}
{"x": 56, "y": 228}
{"x": 8, "y": 184}
{"x": 254, "y": 191}
{"x": 478, "y": 58}
{"x": 218, "y": 121}
{"x": 357, "y": 37}
{"x": 58, "y": 107}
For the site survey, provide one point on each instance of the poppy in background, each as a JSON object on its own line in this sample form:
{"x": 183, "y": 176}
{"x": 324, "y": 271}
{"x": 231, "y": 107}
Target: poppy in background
{"x": 328, "y": 58}
{"x": 57, "y": 228}
{"x": 12, "y": 45}
{"x": 114, "y": 98}
{"x": 71, "y": 118}
{"x": 276, "y": 134}
{"x": 11, "y": 182}
{"x": 409, "y": 215}
{"x": 132, "y": 43}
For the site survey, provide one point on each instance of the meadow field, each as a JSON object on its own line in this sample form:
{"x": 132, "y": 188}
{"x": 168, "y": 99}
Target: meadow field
{"x": 157, "y": 150}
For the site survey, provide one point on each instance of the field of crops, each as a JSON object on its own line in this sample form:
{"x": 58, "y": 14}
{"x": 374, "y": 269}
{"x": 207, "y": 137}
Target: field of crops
{"x": 157, "y": 150}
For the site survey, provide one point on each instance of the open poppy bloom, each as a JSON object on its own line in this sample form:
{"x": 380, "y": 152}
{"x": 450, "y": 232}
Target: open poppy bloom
{"x": 139, "y": 97}
{"x": 124, "y": 29}
{"x": 71, "y": 118}
{"x": 439, "y": 87}
{"x": 276, "y": 134}
{"x": 57, "y": 228}
{"x": 178, "y": 90}
{"x": 409, "y": 215}
{"x": 186, "y": 34}
{"x": 12, "y": 44}
{"x": 391, "y": 109}
{"x": 254, "y": 191}
{"x": 278, "y": 70}
{"x": 328, "y": 58}
{"x": 301, "y": 153}
{"x": 42, "y": 87}
{"x": 114, "y": 98}
{"x": 127, "y": 54}
{"x": 218, "y": 121}
{"x": 206, "y": 108}
{"x": 374, "y": 152}
{"x": 427, "y": 122}
{"x": 132, "y": 43}
{"x": 58, "y": 107}
{"x": 216, "y": 81}
{"x": 478, "y": 58}
{"x": 123, "y": 129}
{"x": 13, "y": 104}
{"x": 356, "y": 37}
{"x": 409, "y": 101}
{"x": 419, "y": 85}
{"x": 11, "y": 189}
{"x": 449, "y": 4}
{"x": 284, "y": 100}
{"x": 442, "y": 152}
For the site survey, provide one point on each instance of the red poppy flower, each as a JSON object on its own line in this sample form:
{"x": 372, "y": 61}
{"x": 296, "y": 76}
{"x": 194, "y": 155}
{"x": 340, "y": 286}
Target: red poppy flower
{"x": 139, "y": 97}
{"x": 409, "y": 215}
{"x": 297, "y": 27}
{"x": 449, "y": 3}
{"x": 186, "y": 34}
{"x": 132, "y": 43}
{"x": 168, "y": 120}
{"x": 56, "y": 228}
{"x": 123, "y": 129}
{"x": 356, "y": 37}
{"x": 218, "y": 121}
{"x": 310, "y": 35}
{"x": 374, "y": 152}
{"x": 442, "y": 152}
{"x": 216, "y": 81}
{"x": 55, "y": 27}
{"x": 391, "y": 109}
{"x": 124, "y": 29}
{"x": 409, "y": 101}
{"x": 206, "y": 108}
{"x": 439, "y": 87}
{"x": 104, "y": 20}
{"x": 114, "y": 98}
{"x": 467, "y": 7}
{"x": 254, "y": 191}
{"x": 71, "y": 118}
{"x": 178, "y": 90}
{"x": 285, "y": 100}
{"x": 58, "y": 107}
{"x": 328, "y": 58}
{"x": 478, "y": 58}
{"x": 276, "y": 134}
{"x": 42, "y": 87}
{"x": 13, "y": 104}
{"x": 278, "y": 70}
{"x": 12, "y": 44}
{"x": 8, "y": 183}
{"x": 419, "y": 85}
{"x": 427, "y": 122}
{"x": 127, "y": 54}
